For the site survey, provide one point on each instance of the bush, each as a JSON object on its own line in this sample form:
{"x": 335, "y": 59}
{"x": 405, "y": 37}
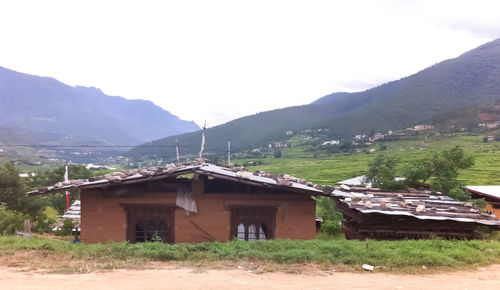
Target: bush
{"x": 66, "y": 228}
{"x": 332, "y": 219}
{"x": 10, "y": 220}
{"x": 44, "y": 221}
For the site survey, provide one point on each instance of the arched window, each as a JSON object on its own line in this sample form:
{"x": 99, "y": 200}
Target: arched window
{"x": 252, "y": 223}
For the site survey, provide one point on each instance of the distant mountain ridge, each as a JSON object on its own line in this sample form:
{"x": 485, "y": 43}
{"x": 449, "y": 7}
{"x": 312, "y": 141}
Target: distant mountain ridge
{"x": 470, "y": 79}
{"x": 79, "y": 115}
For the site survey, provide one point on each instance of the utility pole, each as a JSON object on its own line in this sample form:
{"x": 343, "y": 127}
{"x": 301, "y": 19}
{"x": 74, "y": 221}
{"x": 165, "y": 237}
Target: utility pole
{"x": 228, "y": 153}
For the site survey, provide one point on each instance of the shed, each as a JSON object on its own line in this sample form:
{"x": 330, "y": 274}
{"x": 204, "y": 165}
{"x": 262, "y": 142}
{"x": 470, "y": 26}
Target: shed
{"x": 375, "y": 214}
{"x": 193, "y": 203}
{"x": 490, "y": 193}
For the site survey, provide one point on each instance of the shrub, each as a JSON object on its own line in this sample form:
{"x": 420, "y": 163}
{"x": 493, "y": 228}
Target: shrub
{"x": 66, "y": 228}
{"x": 10, "y": 220}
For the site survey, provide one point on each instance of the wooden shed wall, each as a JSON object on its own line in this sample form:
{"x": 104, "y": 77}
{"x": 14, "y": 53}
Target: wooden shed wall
{"x": 103, "y": 217}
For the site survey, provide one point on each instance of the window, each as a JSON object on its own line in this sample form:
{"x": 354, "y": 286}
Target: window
{"x": 151, "y": 230}
{"x": 253, "y": 223}
{"x": 150, "y": 223}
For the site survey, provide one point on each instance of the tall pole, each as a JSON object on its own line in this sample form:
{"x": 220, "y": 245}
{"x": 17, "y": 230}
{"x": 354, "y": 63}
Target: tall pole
{"x": 203, "y": 140}
{"x": 177, "y": 150}
{"x": 66, "y": 178}
{"x": 228, "y": 152}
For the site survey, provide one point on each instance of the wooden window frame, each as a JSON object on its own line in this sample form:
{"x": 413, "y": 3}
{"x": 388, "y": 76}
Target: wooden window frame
{"x": 140, "y": 212}
{"x": 255, "y": 215}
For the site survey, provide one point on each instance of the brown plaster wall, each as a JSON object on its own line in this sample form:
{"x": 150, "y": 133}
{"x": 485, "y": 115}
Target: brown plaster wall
{"x": 495, "y": 211}
{"x": 104, "y": 219}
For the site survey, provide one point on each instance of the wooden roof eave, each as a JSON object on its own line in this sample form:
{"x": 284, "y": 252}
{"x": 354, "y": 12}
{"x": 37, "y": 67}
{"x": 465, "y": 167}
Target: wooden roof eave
{"x": 109, "y": 183}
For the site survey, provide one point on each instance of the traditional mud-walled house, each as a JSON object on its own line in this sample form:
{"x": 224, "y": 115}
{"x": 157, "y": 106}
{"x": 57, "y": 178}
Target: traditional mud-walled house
{"x": 193, "y": 203}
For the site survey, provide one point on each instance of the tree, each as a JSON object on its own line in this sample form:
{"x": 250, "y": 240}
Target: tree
{"x": 382, "y": 173}
{"x": 12, "y": 193}
{"x": 442, "y": 169}
{"x": 332, "y": 219}
{"x": 50, "y": 177}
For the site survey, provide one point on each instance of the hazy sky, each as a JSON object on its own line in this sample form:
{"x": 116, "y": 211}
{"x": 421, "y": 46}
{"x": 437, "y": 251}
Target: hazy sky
{"x": 219, "y": 60}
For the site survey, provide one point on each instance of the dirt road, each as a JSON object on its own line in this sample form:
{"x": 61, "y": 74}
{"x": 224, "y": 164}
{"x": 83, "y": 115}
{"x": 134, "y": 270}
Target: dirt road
{"x": 192, "y": 278}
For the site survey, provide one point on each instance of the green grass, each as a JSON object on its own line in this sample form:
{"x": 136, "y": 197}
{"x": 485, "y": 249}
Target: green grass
{"x": 392, "y": 256}
{"x": 329, "y": 169}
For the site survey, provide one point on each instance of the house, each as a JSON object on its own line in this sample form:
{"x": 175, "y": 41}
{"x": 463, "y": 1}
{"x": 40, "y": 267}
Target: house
{"x": 331, "y": 142}
{"x": 193, "y": 203}
{"x": 374, "y": 214}
{"x": 423, "y": 127}
{"x": 490, "y": 193}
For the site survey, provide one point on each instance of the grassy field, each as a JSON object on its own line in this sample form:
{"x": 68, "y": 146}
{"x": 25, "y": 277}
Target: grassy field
{"x": 394, "y": 256}
{"x": 329, "y": 169}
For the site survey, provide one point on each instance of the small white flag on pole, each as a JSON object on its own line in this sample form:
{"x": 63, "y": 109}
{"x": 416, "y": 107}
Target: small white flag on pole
{"x": 203, "y": 140}
{"x": 67, "y": 192}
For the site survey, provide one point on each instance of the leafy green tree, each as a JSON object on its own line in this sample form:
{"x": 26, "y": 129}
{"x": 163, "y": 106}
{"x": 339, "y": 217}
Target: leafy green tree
{"x": 12, "y": 192}
{"x": 382, "y": 173}
{"x": 10, "y": 220}
{"x": 332, "y": 219}
{"x": 50, "y": 177}
{"x": 442, "y": 169}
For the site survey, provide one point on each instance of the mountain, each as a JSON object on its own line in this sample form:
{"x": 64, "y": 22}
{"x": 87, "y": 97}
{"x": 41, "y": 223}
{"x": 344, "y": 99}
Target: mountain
{"x": 470, "y": 79}
{"x": 44, "y": 110}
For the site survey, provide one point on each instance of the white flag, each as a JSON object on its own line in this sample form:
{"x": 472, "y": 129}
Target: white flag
{"x": 66, "y": 174}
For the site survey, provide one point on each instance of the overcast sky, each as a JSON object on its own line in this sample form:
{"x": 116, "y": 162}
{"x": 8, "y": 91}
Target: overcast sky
{"x": 219, "y": 60}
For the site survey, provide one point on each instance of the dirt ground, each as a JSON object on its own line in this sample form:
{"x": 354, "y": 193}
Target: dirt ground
{"x": 164, "y": 276}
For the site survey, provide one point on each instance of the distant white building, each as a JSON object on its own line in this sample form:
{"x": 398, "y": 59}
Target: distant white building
{"x": 359, "y": 137}
{"x": 26, "y": 175}
{"x": 331, "y": 142}
{"x": 423, "y": 127}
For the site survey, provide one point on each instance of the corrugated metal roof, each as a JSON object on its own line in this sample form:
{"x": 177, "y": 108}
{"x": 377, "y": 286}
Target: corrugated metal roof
{"x": 421, "y": 205}
{"x": 486, "y": 190}
{"x": 360, "y": 181}
{"x": 237, "y": 174}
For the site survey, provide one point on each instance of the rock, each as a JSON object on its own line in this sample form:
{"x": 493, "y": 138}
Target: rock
{"x": 284, "y": 182}
{"x": 452, "y": 208}
{"x": 360, "y": 202}
{"x": 424, "y": 267}
{"x": 244, "y": 174}
{"x": 468, "y": 204}
{"x": 367, "y": 267}
{"x": 345, "y": 187}
{"x": 420, "y": 208}
{"x": 368, "y": 204}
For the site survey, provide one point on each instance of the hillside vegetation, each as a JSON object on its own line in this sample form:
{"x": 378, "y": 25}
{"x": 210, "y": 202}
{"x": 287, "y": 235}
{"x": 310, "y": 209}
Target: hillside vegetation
{"x": 470, "y": 79}
{"x": 330, "y": 168}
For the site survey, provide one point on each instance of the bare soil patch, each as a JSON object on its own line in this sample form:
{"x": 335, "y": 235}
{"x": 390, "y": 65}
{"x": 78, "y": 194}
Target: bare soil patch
{"x": 15, "y": 274}
{"x": 168, "y": 276}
